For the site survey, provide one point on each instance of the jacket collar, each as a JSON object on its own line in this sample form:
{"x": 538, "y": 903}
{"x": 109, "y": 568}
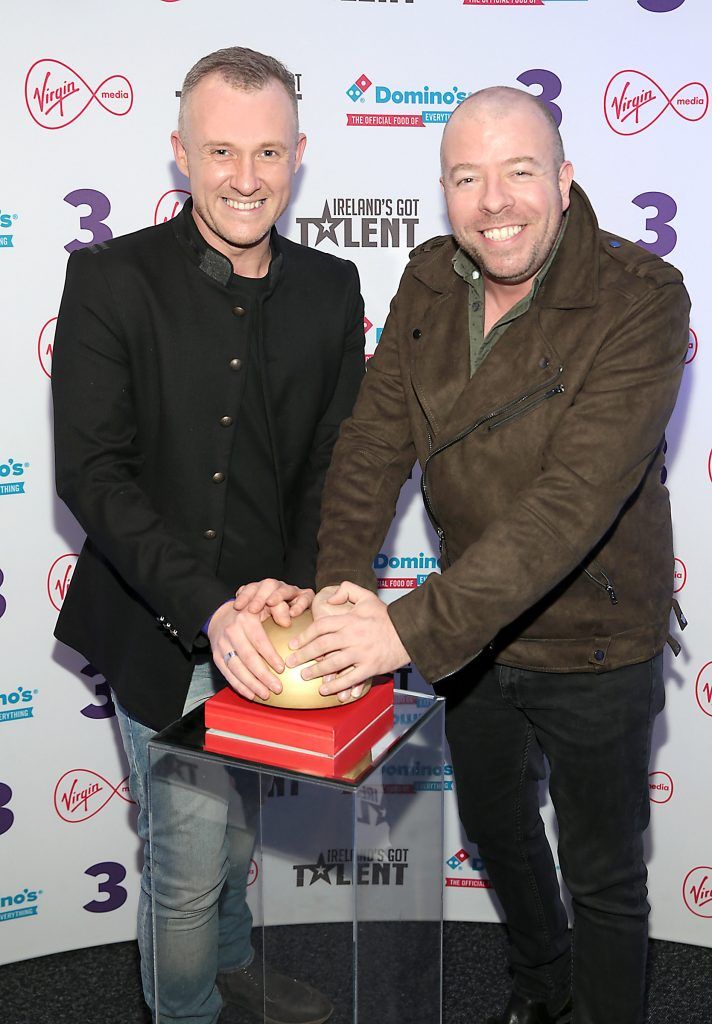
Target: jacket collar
{"x": 451, "y": 399}
{"x": 213, "y": 263}
{"x": 572, "y": 280}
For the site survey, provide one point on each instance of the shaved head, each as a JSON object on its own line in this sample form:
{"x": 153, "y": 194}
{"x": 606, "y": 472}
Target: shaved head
{"x": 506, "y": 183}
{"x": 501, "y": 101}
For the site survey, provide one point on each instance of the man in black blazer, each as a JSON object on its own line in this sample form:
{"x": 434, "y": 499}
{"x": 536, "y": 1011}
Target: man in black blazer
{"x": 201, "y": 371}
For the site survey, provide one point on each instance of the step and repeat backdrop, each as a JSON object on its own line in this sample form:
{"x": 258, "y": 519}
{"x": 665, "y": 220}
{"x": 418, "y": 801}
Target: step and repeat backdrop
{"x": 89, "y": 98}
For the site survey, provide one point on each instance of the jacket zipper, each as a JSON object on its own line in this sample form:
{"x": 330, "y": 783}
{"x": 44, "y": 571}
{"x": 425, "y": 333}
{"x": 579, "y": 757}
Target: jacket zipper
{"x": 558, "y": 390}
{"x": 516, "y": 406}
{"x": 428, "y": 507}
{"x": 606, "y": 584}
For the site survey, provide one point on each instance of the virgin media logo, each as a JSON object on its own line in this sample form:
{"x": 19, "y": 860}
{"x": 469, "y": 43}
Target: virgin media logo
{"x": 661, "y": 787}
{"x": 697, "y": 891}
{"x": 692, "y": 347}
{"x": 679, "y": 576}
{"x": 633, "y": 102}
{"x": 45, "y": 345}
{"x": 703, "y": 689}
{"x": 59, "y": 577}
{"x": 81, "y": 793}
{"x": 169, "y": 205}
{"x": 56, "y": 95}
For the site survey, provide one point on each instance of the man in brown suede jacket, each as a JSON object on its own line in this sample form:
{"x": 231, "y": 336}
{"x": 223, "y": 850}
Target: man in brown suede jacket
{"x": 530, "y": 364}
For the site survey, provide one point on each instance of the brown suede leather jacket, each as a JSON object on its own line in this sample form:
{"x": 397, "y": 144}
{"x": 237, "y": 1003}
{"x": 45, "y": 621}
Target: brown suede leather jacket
{"x": 541, "y": 473}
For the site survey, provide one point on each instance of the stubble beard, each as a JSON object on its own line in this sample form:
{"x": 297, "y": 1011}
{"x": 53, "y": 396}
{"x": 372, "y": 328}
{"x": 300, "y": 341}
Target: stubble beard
{"x": 537, "y": 258}
{"x": 234, "y": 243}
{"x": 517, "y": 276}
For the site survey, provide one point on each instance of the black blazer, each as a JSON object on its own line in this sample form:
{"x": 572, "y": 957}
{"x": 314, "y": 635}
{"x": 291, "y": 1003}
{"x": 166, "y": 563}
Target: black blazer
{"x": 143, "y": 373}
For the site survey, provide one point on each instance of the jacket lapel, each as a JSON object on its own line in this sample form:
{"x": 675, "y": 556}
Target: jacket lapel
{"x": 523, "y": 363}
{"x": 524, "y": 360}
{"x": 440, "y": 368}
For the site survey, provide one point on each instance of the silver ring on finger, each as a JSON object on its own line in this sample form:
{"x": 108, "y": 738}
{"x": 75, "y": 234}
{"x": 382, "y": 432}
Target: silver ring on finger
{"x": 229, "y": 654}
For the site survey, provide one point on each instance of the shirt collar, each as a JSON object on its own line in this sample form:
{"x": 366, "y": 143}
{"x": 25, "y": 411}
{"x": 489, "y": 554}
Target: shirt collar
{"x": 215, "y": 264}
{"x": 468, "y": 270}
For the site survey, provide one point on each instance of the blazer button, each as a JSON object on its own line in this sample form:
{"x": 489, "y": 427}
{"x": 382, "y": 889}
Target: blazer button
{"x": 599, "y": 655}
{"x": 235, "y": 364}
{"x": 238, "y": 311}
{"x": 210, "y": 535}
{"x": 218, "y": 478}
{"x": 417, "y": 334}
{"x": 226, "y": 421}
{"x": 543, "y": 363}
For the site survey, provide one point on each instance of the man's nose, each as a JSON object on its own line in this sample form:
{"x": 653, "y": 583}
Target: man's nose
{"x": 244, "y": 178}
{"x": 495, "y": 196}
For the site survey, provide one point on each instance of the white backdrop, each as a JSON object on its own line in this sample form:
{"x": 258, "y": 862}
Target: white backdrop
{"x": 89, "y": 99}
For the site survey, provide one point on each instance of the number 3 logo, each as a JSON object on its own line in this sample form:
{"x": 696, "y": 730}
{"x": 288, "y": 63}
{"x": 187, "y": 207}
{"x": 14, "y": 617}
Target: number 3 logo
{"x": 666, "y": 209}
{"x": 116, "y": 895}
{"x": 99, "y": 210}
{"x": 550, "y": 89}
{"x": 104, "y": 710}
{"x": 660, "y": 6}
{"x": 6, "y": 815}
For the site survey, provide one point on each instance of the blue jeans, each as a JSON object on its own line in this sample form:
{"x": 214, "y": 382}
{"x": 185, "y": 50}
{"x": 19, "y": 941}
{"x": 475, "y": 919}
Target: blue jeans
{"x": 200, "y": 847}
{"x": 594, "y": 729}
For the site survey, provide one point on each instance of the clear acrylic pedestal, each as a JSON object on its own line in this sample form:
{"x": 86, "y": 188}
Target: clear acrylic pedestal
{"x": 342, "y": 875}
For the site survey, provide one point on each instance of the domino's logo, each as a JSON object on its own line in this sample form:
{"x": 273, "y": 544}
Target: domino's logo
{"x": 362, "y": 84}
{"x": 7, "y": 220}
{"x": 17, "y": 703}
{"x": 12, "y": 475}
{"x": 20, "y": 904}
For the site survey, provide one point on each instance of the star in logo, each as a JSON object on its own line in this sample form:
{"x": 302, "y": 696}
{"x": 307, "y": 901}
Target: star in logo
{"x": 326, "y": 226}
{"x": 320, "y": 871}
{"x": 325, "y": 231}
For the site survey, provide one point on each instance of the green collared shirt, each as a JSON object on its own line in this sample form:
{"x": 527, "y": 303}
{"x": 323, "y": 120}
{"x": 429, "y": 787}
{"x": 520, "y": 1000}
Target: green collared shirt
{"x": 481, "y": 346}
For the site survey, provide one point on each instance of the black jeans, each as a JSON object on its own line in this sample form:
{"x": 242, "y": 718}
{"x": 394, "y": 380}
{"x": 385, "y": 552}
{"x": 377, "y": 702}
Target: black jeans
{"x": 594, "y": 729}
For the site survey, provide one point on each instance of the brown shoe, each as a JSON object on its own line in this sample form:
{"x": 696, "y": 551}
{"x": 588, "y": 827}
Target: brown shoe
{"x": 273, "y": 997}
{"x": 520, "y": 1010}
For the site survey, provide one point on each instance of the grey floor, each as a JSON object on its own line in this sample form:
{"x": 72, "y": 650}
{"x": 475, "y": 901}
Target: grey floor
{"x": 100, "y": 985}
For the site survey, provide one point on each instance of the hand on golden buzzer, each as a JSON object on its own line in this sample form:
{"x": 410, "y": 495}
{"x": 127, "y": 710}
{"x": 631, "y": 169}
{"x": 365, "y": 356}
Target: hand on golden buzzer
{"x": 351, "y": 647}
{"x": 282, "y": 601}
{"x": 247, "y": 670}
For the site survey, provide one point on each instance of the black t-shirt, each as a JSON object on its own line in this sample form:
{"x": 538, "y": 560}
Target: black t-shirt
{"x": 252, "y": 547}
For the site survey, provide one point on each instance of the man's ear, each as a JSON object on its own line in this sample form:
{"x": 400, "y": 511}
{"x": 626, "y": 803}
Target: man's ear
{"x": 566, "y": 176}
{"x": 179, "y": 153}
{"x": 301, "y": 144}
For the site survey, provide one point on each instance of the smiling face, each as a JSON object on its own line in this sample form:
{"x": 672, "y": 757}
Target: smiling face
{"x": 240, "y": 149}
{"x": 505, "y": 190}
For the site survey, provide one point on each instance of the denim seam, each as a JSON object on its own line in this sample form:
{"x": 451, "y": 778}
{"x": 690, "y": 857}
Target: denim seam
{"x": 532, "y": 879}
{"x": 646, "y": 740}
{"x": 641, "y": 897}
{"x": 573, "y": 964}
{"x": 239, "y": 967}
{"x": 150, "y": 993}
